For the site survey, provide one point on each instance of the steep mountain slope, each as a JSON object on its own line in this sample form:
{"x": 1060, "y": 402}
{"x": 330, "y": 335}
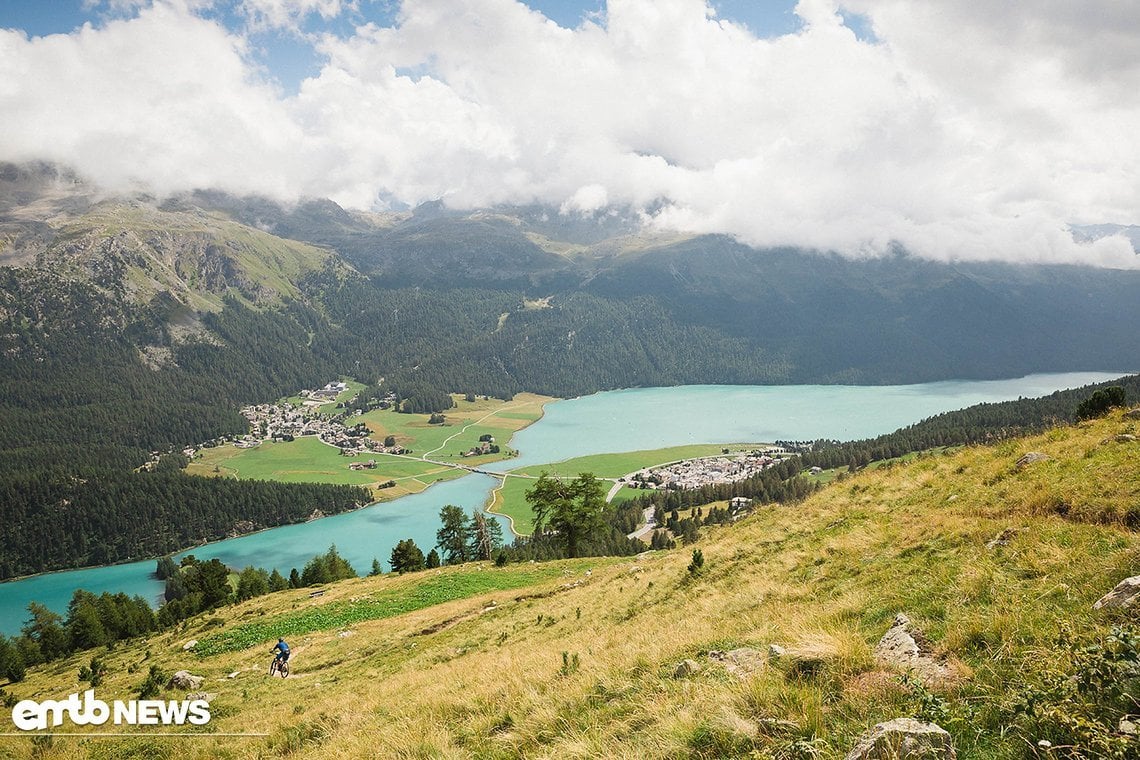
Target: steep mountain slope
{"x": 897, "y": 319}
{"x": 134, "y": 250}
{"x": 578, "y": 659}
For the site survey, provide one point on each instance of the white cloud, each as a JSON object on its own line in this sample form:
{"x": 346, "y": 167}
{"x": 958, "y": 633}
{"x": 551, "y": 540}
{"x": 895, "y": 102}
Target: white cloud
{"x": 162, "y": 101}
{"x": 289, "y": 14}
{"x": 965, "y": 130}
{"x": 586, "y": 200}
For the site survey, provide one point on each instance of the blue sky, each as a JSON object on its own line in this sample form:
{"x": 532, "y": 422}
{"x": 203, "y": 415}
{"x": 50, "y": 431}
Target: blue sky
{"x": 957, "y": 129}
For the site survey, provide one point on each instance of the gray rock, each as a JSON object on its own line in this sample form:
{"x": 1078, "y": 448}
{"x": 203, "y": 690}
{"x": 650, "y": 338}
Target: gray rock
{"x": 1125, "y": 438}
{"x": 1129, "y": 725}
{"x": 1132, "y": 414}
{"x": 184, "y": 680}
{"x": 1031, "y": 458}
{"x": 235, "y": 674}
{"x": 204, "y": 696}
{"x": 904, "y": 739}
{"x": 804, "y": 660}
{"x": 189, "y": 645}
{"x": 687, "y": 668}
{"x": 1124, "y": 595}
{"x": 905, "y": 647}
{"x": 741, "y": 663}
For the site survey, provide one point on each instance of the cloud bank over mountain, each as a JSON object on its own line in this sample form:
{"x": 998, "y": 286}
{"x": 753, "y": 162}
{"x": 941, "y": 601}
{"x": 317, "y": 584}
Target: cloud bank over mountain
{"x": 955, "y": 129}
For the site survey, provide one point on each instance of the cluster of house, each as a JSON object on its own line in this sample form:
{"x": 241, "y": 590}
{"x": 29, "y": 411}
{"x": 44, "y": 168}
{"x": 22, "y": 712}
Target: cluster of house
{"x": 486, "y": 445}
{"x": 284, "y": 422}
{"x": 323, "y": 395}
{"x": 706, "y": 471}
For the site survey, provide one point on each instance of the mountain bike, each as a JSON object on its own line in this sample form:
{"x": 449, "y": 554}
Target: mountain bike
{"x": 279, "y": 666}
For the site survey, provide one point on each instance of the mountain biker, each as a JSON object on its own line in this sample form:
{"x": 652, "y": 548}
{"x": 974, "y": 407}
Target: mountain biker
{"x": 281, "y": 651}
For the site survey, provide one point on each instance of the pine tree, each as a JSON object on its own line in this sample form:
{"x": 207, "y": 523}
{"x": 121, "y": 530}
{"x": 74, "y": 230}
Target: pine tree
{"x": 406, "y": 557}
{"x": 453, "y": 536}
{"x": 165, "y": 568}
{"x": 252, "y": 582}
{"x": 277, "y": 581}
{"x": 572, "y": 509}
{"x": 486, "y": 536}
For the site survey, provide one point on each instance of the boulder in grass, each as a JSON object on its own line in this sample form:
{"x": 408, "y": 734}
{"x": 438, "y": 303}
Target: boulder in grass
{"x": 687, "y": 668}
{"x": 742, "y": 662}
{"x": 1126, "y": 593}
{"x": 904, "y": 739}
{"x": 185, "y": 681}
{"x": 906, "y": 648}
{"x": 804, "y": 660}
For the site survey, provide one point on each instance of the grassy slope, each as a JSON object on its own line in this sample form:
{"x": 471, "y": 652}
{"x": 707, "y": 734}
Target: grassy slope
{"x": 482, "y": 676}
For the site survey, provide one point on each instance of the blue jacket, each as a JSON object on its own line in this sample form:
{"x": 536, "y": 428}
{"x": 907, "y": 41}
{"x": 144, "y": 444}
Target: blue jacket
{"x": 283, "y": 647}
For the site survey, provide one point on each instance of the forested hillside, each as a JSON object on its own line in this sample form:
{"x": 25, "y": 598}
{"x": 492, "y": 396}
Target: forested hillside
{"x": 111, "y": 516}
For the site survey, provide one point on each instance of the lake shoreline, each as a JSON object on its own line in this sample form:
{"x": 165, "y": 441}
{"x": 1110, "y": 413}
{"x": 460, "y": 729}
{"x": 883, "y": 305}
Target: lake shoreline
{"x": 620, "y": 421}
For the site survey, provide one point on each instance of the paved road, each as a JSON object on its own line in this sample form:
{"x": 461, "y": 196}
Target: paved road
{"x": 648, "y": 528}
{"x": 614, "y": 491}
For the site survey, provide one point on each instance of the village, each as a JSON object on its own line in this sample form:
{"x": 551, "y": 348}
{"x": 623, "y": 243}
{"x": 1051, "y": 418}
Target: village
{"x": 706, "y": 471}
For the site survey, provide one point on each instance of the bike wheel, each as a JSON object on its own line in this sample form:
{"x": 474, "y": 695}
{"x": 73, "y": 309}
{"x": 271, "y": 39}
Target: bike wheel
{"x": 284, "y": 668}
{"x": 272, "y": 668}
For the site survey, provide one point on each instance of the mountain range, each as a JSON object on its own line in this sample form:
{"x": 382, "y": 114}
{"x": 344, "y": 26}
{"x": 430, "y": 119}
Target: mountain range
{"x": 525, "y": 294}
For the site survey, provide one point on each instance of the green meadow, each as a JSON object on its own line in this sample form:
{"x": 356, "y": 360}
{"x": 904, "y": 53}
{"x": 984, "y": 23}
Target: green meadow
{"x": 462, "y": 427}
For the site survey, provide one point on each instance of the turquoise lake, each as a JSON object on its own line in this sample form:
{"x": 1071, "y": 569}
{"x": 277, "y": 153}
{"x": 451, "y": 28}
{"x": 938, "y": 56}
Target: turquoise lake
{"x": 627, "y": 420}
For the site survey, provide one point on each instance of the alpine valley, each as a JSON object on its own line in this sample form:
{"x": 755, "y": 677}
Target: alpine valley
{"x": 135, "y": 326}
{"x": 148, "y": 344}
